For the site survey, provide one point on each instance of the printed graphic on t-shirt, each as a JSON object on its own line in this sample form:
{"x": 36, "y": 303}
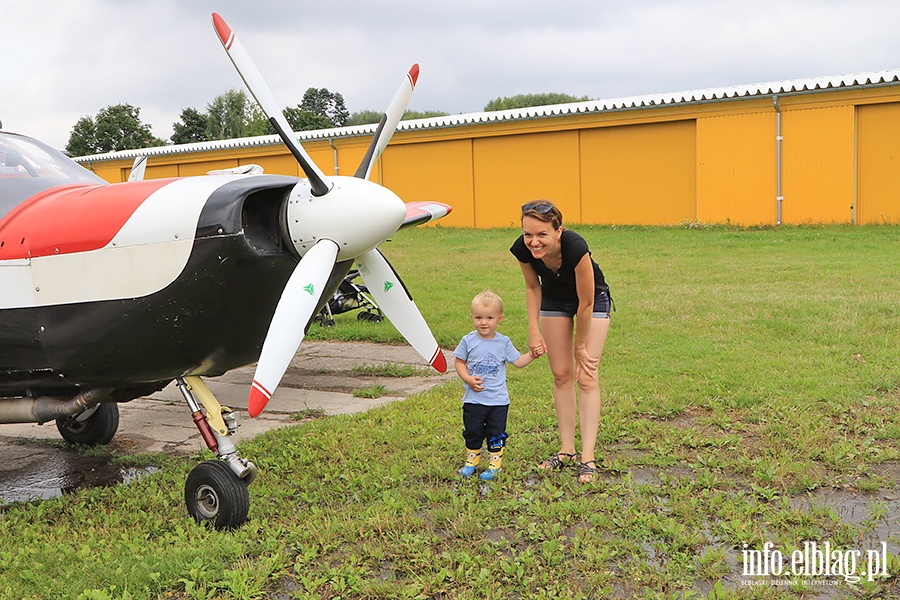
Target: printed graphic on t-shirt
{"x": 486, "y": 367}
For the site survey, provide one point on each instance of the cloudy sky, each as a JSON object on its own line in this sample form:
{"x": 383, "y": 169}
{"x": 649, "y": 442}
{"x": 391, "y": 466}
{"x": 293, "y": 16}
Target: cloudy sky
{"x": 62, "y": 60}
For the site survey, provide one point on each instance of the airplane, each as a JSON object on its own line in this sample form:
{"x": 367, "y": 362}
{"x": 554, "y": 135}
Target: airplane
{"x": 110, "y": 292}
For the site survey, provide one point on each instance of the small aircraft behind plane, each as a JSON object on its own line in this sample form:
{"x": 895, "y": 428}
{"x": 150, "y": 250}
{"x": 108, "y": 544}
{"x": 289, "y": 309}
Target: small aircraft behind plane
{"x": 109, "y": 292}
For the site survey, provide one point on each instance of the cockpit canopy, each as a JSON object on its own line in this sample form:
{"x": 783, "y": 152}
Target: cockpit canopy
{"x": 21, "y": 156}
{"x": 28, "y": 166}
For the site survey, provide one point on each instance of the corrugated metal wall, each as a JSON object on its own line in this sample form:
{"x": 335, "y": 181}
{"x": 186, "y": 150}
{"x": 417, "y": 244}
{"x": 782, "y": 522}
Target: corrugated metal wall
{"x": 443, "y": 173}
{"x": 818, "y": 165}
{"x": 878, "y": 183}
{"x": 708, "y": 162}
{"x": 510, "y": 170}
{"x": 736, "y": 172}
{"x": 639, "y": 174}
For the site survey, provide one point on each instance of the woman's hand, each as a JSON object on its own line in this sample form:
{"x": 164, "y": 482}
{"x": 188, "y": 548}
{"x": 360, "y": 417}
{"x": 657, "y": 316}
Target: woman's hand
{"x": 585, "y": 364}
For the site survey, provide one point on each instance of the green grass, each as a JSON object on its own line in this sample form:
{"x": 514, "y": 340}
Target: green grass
{"x": 751, "y": 385}
{"x": 375, "y": 390}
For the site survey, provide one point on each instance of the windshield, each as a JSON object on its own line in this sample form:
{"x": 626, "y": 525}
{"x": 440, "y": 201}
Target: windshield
{"x": 28, "y": 167}
{"x": 22, "y": 157}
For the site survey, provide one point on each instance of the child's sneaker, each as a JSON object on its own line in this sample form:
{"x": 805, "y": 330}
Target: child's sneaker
{"x": 467, "y": 471}
{"x": 490, "y": 474}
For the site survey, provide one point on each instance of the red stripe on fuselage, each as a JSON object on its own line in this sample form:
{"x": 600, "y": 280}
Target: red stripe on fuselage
{"x": 71, "y": 218}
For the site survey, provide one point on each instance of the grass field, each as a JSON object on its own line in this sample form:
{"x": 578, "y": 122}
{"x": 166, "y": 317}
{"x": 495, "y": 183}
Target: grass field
{"x": 751, "y": 385}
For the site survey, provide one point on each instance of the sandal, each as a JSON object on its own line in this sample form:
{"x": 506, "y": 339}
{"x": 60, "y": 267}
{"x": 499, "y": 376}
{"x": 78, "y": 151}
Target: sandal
{"x": 586, "y": 472}
{"x": 556, "y": 463}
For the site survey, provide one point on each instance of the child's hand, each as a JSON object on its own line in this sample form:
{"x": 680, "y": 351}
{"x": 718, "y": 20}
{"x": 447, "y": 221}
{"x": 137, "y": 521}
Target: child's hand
{"x": 476, "y": 383}
{"x": 537, "y": 351}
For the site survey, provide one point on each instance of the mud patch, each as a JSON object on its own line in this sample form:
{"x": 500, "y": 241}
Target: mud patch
{"x": 34, "y": 470}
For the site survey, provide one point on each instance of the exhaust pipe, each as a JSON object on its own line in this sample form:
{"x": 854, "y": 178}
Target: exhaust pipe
{"x": 44, "y": 409}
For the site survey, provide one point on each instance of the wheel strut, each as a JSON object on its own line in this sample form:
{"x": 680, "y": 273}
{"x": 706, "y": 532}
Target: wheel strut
{"x": 216, "y": 491}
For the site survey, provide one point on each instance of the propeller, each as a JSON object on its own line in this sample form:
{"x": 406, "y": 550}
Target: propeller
{"x": 330, "y": 220}
{"x": 254, "y": 81}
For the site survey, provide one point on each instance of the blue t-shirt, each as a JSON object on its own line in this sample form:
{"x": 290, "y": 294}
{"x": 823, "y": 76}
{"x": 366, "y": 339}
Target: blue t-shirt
{"x": 487, "y": 359}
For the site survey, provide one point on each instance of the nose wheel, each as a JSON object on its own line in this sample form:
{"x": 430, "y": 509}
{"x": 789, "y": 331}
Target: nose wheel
{"x": 216, "y": 490}
{"x": 215, "y": 495}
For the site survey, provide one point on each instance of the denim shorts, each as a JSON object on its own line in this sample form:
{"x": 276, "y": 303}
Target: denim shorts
{"x": 555, "y": 308}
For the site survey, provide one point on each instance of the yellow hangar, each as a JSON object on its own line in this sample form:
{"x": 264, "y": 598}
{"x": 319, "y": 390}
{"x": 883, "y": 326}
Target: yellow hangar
{"x": 818, "y": 150}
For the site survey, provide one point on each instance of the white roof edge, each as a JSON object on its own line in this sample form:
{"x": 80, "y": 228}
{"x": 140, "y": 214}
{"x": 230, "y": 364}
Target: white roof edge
{"x": 699, "y": 96}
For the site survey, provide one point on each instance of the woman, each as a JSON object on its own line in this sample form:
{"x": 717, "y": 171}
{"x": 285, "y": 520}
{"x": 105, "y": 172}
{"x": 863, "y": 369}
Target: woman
{"x": 563, "y": 285}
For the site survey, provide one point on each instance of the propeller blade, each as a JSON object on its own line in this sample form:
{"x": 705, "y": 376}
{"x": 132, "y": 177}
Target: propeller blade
{"x": 389, "y": 120}
{"x": 257, "y": 85}
{"x": 392, "y": 297}
{"x": 298, "y": 302}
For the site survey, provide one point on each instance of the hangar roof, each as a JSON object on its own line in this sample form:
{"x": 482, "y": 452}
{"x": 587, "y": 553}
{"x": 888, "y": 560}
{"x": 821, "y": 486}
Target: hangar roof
{"x": 646, "y": 101}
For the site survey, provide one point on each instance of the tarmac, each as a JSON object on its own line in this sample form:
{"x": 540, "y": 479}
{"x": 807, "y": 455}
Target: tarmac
{"x": 321, "y": 380}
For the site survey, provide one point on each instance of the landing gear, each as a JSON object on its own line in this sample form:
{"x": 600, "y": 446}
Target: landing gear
{"x": 216, "y": 490}
{"x": 95, "y": 426}
{"x": 215, "y": 495}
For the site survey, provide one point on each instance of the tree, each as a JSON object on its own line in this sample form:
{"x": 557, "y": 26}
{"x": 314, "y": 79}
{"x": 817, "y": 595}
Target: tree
{"x": 409, "y": 115}
{"x": 305, "y": 120}
{"x": 364, "y": 117}
{"x": 258, "y": 123}
{"x": 83, "y": 139}
{"x": 191, "y": 128}
{"x": 116, "y": 127}
{"x": 228, "y": 115}
{"x": 326, "y": 104}
{"x": 527, "y": 100}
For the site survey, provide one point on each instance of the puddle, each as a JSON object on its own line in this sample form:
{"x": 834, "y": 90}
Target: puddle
{"x": 881, "y": 510}
{"x": 37, "y": 471}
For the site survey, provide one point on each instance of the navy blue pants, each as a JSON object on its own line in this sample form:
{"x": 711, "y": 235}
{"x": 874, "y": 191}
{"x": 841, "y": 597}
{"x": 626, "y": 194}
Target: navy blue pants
{"x": 485, "y": 423}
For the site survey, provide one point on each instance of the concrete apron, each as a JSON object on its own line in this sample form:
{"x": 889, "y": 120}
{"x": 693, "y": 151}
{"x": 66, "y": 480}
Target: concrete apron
{"x": 320, "y": 378}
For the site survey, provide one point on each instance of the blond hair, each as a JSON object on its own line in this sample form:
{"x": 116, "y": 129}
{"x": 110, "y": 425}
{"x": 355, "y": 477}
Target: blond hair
{"x": 488, "y": 298}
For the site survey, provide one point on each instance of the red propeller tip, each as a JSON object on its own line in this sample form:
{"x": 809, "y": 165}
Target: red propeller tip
{"x": 259, "y": 396}
{"x": 414, "y": 74}
{"x": 439, "y": 362}
{"x": 223, "y": 30}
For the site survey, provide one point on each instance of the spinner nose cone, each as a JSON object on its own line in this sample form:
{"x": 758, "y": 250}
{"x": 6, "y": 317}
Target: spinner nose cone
{"x": 356, "y": 214}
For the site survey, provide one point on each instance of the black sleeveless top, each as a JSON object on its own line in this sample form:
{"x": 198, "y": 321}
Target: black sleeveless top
{"x": 560, "y": 286}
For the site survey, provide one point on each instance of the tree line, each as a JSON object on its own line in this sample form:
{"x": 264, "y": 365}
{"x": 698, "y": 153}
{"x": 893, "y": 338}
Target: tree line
{"x": 234, "y": 114}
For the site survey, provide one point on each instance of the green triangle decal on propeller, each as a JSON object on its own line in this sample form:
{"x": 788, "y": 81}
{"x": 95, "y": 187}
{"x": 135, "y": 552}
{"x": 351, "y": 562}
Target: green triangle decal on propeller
{"x": 309, "y": 289}
{"x": 388, "y": 285}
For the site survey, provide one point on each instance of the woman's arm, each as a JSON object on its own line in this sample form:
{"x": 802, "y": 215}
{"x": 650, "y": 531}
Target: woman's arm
{"x": 584, "y": 286}
{"x": 533, "y": 304}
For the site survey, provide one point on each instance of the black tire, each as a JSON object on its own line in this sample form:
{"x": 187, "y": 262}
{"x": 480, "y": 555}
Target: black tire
{"x": 97, "y": 429}
{"x": 216, "y": 496}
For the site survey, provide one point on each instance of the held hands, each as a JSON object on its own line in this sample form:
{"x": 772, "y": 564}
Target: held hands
{"x": 536, "y": 345}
